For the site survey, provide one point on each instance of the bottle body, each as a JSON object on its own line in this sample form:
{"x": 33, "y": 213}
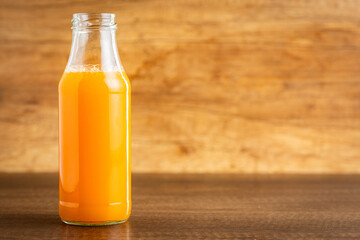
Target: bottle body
{"x": 94, "y": 143}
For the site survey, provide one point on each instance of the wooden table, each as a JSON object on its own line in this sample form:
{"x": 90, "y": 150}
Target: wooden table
{"x": 195, "y": 207}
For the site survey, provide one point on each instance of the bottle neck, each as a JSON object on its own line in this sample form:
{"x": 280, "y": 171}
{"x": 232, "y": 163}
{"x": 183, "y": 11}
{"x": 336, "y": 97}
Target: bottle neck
{"x": 94, "y": 50}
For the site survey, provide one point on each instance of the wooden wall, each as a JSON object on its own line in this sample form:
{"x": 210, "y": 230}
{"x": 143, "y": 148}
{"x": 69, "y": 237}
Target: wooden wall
{"x": 248, "y": 86}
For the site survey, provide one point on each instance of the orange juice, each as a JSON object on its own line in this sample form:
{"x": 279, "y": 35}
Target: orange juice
{"x": 94, "y": 147}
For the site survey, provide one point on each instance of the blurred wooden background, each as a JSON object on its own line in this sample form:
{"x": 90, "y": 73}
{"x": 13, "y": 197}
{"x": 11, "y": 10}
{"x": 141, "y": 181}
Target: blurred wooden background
{"x": 266, "y": 86}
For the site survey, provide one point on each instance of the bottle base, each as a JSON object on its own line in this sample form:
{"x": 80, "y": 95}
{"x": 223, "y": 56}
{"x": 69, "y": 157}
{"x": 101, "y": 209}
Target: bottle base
{"x": 94, "y": 223}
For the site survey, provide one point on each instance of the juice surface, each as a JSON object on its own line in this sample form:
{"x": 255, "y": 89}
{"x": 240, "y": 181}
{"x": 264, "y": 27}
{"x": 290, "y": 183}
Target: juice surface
{"x": 94, "y": 147}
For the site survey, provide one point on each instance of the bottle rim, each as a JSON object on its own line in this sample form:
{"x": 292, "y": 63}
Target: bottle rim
{"x": 93, "y": 21}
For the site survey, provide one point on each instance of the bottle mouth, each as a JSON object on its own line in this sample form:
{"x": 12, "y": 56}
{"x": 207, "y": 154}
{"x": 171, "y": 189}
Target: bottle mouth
{"x": 93, "y": 21}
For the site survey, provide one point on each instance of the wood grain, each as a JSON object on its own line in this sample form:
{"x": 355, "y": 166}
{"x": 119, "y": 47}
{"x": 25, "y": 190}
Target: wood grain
{"x": 264, "y": 86}
{"x": 194, "y": 206}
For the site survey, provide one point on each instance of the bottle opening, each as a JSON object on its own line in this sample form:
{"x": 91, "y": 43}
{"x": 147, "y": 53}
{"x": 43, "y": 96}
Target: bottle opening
{"x": 83, "y": 21}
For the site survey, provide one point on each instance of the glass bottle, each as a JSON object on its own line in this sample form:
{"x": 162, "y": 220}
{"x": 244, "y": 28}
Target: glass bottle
{"x": 94, "y": 127}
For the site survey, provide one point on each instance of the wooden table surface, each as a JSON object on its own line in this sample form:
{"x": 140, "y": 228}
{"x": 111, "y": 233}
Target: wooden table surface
{"x": 195, "y": 207}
